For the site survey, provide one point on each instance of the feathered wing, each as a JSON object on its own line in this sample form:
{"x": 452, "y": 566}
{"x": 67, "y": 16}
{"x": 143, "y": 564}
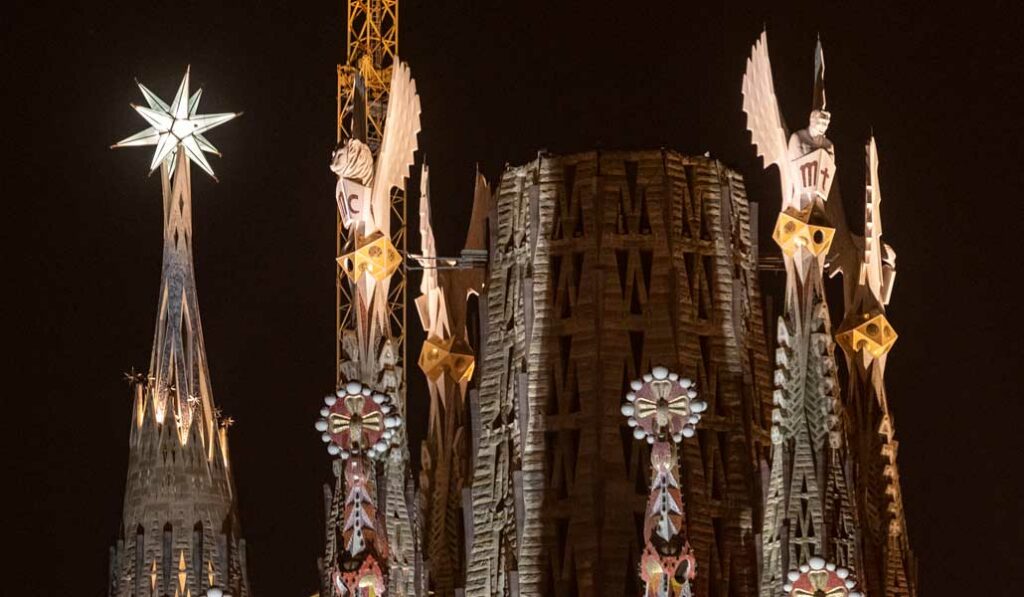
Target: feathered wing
{"x": 874, "y": 248}
{"x": 426, "y": 302}
{"x": 428, "y": 247}
{"x": 767, "y": 130}
{"x": 401, "y": 125}
{"x": 875, "y": 193}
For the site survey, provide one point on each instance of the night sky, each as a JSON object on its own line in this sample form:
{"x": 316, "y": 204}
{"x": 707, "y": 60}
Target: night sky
{"x": 498, "y": 82}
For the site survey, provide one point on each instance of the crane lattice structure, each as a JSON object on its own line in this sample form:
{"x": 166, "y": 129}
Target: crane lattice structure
{"x": 371, "y": 279}
{"x": 371, "y": 52}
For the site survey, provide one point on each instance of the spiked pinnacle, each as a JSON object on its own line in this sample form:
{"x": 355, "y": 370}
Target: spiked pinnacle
{"x": 175, "y": 126}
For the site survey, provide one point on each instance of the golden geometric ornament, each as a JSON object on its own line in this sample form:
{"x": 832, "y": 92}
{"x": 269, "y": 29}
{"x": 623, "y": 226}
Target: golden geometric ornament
{"x": 454, "y": 357}
{"x": 375, "y": 256}
{"x": 182, "y": 575}
{"x": 873, "y": 334}
{"x": 793, "y": 232}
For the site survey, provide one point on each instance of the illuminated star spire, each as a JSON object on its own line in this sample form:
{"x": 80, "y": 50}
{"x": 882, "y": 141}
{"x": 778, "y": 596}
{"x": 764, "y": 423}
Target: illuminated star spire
{"x": 176, "y": 125}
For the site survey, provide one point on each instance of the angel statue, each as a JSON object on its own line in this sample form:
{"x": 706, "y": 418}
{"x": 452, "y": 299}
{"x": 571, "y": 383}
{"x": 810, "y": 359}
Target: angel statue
{"x": 806, "y": 162}
{"x": 363, "y": 194}
{"x": 364, "y": 188}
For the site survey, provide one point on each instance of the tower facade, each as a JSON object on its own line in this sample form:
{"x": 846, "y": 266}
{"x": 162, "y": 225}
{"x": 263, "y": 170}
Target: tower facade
{"x": 603, "y": 265}
{"x": 180, "y": 533}
{"x": 448, "y": 361}
{"x": 809, "y": 519}
{"x": 180, "y": 529}
{"x": 868, "y": 266}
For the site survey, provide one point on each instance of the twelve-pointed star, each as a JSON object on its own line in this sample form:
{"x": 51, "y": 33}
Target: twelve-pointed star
{"x": 174, "y": 125}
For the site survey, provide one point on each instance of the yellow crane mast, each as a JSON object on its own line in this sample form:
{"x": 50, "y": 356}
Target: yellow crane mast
{"x": 371, "y": 51}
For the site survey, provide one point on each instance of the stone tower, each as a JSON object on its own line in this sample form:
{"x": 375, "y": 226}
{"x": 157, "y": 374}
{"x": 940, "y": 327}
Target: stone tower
{"x": 809, "y": 519}
{"x": 868, "y": 266}
{"x": 602, "y": 265}
{"x": 180, "y": 534}
{"x": 448, "y": 361}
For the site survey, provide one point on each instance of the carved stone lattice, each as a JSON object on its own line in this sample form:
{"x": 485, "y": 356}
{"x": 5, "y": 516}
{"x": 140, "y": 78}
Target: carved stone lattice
{"x": 602, "y": 264}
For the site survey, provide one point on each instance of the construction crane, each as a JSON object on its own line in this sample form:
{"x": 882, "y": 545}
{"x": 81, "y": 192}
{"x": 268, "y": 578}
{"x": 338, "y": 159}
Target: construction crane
{"x": 370, "y": 289}
{"x": 363, "y": 84}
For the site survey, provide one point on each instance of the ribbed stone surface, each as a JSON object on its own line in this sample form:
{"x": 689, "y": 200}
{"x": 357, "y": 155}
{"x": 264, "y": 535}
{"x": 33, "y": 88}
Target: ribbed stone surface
{"x": 601, "y": 266}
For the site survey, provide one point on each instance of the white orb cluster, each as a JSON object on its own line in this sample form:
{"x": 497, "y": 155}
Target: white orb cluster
{"x": 694, "y": 406}
{"x": 391, "y": 422}
{"x": 819, "y": 563}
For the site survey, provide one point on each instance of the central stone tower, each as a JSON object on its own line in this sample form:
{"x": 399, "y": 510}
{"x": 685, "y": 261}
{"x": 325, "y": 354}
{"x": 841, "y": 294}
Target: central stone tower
{"x": 603, "y": 265}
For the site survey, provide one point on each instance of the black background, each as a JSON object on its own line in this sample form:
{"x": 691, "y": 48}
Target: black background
{"x": 498, "y": 81}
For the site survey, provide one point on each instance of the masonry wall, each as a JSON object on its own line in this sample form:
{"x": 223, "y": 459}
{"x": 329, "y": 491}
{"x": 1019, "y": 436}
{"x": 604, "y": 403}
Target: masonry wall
{"x": 179, "y": 531}
{"x": 603, "y": 265}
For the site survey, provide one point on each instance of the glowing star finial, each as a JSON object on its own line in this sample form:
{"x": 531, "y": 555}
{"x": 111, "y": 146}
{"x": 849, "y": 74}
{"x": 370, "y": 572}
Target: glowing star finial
{"x": 175, "y": 126}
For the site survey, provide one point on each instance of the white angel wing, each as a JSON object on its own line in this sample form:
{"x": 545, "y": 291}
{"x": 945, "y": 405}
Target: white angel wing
{"x": 767, "y": 130}
{"x": 428, "y": 247}
{"x": 874, "y": 194}
{"x": 874, "y": 249}
{"x": 401, "y": 125}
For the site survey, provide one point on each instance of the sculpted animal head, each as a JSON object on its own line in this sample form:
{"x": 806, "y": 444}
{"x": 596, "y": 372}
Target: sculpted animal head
{"x": 353, "y": 160}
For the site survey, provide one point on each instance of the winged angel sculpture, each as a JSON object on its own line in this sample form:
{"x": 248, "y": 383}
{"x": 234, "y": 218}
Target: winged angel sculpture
{"x": 364, "y": 196}
{"x": 364, "y": 201}
{"x": 805, "y": 159}
{"x": 768, "y": 131}
{"x": 364, "y": 192}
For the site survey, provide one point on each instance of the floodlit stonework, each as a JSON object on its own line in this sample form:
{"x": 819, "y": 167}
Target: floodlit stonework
{"x": 180, "y": 532}
{"x": 604, "y": 418}
{"x": 602, "y": 265}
